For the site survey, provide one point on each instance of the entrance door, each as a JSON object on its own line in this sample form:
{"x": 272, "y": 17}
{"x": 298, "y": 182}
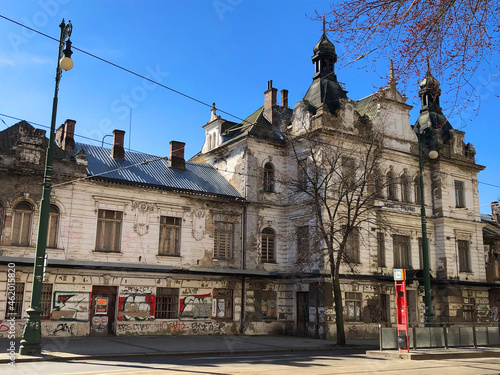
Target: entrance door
{"x": 302, "y": 313}
{"x": 102, "y": 314}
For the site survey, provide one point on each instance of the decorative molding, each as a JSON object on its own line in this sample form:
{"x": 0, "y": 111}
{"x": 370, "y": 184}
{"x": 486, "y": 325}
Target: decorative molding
{"x": 142, "y": 212}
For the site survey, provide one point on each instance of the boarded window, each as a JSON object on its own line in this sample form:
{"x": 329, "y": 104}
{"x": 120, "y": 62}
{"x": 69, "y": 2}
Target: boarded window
{"x": 268, "y": 245}
{"x": 170, "y": 236}
{"x": 459, "y": 194}
{"x": 53, "y": 229}
{"x": 268, "y": 304}
{"x": 167, "y": 303}
{"x": 269, "y": 178}
{"x": 21, "y": 224}
{"x": 464, "y": 256}
{"x": 109, "y": 229}
{"x": 46, "y": 301}
{"x": 223, "y": 240}
{"x": 223, "y": 300}
{"x": 352, "y": 309}
{"x": 402, "y": 254}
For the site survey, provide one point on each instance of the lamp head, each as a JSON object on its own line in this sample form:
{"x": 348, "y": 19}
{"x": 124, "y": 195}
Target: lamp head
{"x": 66, "y": 63}
{"x": 433, "y": 154}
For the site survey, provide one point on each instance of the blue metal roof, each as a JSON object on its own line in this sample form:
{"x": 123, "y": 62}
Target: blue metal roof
{"x": 139, "y": 168}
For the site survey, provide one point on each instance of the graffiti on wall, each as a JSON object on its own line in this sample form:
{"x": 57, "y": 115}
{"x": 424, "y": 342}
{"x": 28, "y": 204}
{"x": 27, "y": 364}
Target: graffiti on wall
{"x": 196, "y": 306}
{"x": 169, "y": 328}
{"x": 70, "y": 306}
{"x": 136, "y": 303}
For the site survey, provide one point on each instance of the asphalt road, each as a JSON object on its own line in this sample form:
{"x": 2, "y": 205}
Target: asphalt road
{"x": 304, "y": 363}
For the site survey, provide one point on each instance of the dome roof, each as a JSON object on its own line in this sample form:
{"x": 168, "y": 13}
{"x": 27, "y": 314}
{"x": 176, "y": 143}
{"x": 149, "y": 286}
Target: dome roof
{"x": 324, "y": 46}
{"x": 429, "y": 81}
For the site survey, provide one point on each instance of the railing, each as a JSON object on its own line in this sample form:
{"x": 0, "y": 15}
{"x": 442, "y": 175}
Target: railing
{"x": 443, "y": 336}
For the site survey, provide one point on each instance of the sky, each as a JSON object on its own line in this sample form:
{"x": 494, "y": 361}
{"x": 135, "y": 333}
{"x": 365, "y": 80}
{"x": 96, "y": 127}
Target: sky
{"x": 221, "y": 51}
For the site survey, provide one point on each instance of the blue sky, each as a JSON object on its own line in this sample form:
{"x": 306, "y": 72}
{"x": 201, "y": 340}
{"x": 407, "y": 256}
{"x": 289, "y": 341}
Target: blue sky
{"x": 221, "y": 51}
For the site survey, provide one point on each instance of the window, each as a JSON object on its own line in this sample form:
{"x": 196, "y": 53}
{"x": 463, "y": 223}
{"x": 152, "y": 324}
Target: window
{"x": 496, "y": 266}
{"x": 268, "y": 178}
{"x": 170, "y": 235}
{"x": 15, "y": 295}
{"x": 464, "y": 256}
{"x": 402, "y": 254}
{"x": 46, "y": 301}
{"x": 349, "y": 173}
{"x": 302, "y": 174}
{"x": 303, "y": 243}
{"x": 378, "y": 184}
{"x": 420, "y": 253}
{"x": 268, "y": 245}
{"x": 352, "y": 309}
{"x": 109, "y": 229}
{"x": 223, "y": 240}
{"x": 405, "y": 189}
{"x": 268, "y": 304}
{"x": 416, "y": 189}
{"x": 351, "y": 251}
{"x": 21, "y": 224}
{"x": 381, "y": 249}
{"x": 391, "y": 186}
{"x": 167, "y": 303}
{"x": 385, "y": 304}
{"x": 223, "y": 299}
{"x": 53, "y": 229}
{"x": 459, "y": 194}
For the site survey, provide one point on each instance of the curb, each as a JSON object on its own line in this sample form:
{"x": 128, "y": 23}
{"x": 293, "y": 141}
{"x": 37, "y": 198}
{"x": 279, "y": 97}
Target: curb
{"x": 413, "y": 356}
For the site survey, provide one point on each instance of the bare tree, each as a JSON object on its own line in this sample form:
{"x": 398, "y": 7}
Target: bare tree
{"x": 457, "y": 36}
{"x": 336, "y": 188}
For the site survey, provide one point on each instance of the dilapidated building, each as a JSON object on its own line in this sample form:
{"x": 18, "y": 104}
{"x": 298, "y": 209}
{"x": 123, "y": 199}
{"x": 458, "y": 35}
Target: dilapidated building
{"x": 140, "y": 244}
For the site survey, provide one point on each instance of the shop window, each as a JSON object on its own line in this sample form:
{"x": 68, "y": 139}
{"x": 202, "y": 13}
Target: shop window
{"x": 167, "y": 303}
{"x": 464, "y": 256}
{"x": 223, "y": 240}
{"x": 170, "y": 236}
{"x": 46, "y": 301}
{"x": 53, "y": 230}
{"x": 268, "y": 178}
{"x": 109, "y": 230}
{"x": 268, "y": 304}
{"x": 223, "y": 299}
{"x": 402, "y": 254}
{"x": 352, "y": 309}
{"x": 268, "y": 246}
{"x": 21, "y": 224}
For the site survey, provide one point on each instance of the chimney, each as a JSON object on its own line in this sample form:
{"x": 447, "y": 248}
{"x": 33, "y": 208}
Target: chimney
{"x": 270, "y": 104}
{"x": 65, "y": 136}
{"x": 495, "y": 211}
{"x": 284, "y": 98}
{"x": 118, "y": 152}
{"x": 177, "y": 155}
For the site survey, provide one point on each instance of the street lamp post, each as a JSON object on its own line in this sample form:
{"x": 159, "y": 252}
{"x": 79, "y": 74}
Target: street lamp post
{"x": 31, "y": 342}
{"x": 428, "y": 314}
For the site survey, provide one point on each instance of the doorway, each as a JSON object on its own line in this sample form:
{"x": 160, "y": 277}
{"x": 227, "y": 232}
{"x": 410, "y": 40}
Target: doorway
{"x": 302, "y": 313}
{"x": 102, "y": 313}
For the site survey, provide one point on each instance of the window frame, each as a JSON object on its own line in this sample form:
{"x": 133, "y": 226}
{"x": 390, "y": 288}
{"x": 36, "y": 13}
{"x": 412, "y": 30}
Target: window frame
{"x": 114, "y": 223}
{"x": 168, "y": 246}
{"x": 405, "y": 189}
{"x": 269, "y": 178}
{"x": 351, "y": 250}
{"x": 353, "y": 302}
{"x": 349, "y": 173}
{"x": 381, "y": 259}
{"x": 464, "y": 256}
{"x": 268, "y": 305}
{"x": 23, "y": 233}
{"x": 399, "y": 260}
{"x": 167, "y": 303}
{"x": 53, "y": 227}
{"x": 302, "y": 178}
{"x": 223, "y": 240}
{"x": 223, "y": 297}
{"x": 46, "y": 300}
{"x": 268, "y": 245}
{"x": 14, "y": 307}
{"x": 416, "y": 189}
{"x": 459, "y": 194}
{"x": 392, "y": 190}
{"x": 303, "y": 243}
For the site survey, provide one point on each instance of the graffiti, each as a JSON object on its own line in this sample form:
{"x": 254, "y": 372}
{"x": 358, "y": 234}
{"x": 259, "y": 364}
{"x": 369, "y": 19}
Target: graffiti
{"x": 353, "y": 329}
{"x": 197, "y": 306}
{"x": 136, "y": 307}
{"x": 135, "y": 290}
{"x": 171, "y": 327}
{"x": 64, "y": 328}
{"x": 205, "y": 327}
{"x": 3, "y": 327}
{"x": 494, "y": 314}
{"x": 70, "y": 306}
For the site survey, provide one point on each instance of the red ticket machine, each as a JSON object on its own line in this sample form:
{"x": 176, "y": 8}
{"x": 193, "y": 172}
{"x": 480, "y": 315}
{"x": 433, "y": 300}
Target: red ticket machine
{"x": 402, "y": 310}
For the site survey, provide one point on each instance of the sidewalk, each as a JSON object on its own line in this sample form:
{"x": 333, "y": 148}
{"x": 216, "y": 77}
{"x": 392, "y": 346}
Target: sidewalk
{"x": 63, "y": 349}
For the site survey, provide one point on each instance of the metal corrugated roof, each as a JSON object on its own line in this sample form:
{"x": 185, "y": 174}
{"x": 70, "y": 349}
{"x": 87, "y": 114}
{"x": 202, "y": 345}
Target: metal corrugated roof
{"x": 139, "y": 168}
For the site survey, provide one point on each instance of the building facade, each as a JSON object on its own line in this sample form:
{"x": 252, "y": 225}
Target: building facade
{"x": 146, "y": 245}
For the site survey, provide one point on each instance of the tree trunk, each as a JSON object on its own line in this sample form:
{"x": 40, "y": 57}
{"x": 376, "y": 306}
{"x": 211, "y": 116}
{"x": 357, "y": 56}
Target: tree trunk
{"x": 339, "y": 309}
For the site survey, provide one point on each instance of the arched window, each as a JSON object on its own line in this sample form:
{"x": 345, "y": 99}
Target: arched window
{"x": 416, "y": 189}
{"x": 268, "y": 245}
{"x": 21, "y": 224}
{"x": 269, "y": 178}
{"x": 53, "y": 229}
{"x": 391, "y": 186}
{"x": 405, "y": 188}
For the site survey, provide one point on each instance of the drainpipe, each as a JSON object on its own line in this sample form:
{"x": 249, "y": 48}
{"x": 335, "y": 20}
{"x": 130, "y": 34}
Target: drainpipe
{"x": 243, "y": 266}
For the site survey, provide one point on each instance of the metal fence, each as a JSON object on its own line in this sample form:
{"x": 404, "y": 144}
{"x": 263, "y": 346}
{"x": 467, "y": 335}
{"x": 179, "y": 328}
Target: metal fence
{"x": 443, "y": 336}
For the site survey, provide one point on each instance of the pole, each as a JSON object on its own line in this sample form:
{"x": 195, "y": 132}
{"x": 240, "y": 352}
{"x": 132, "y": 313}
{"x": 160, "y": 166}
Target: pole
{"x": 428, "y": 314}
{"x": 31, "y": 341}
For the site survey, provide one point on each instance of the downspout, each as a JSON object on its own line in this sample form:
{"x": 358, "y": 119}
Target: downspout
{"x": 243, "y": 278}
